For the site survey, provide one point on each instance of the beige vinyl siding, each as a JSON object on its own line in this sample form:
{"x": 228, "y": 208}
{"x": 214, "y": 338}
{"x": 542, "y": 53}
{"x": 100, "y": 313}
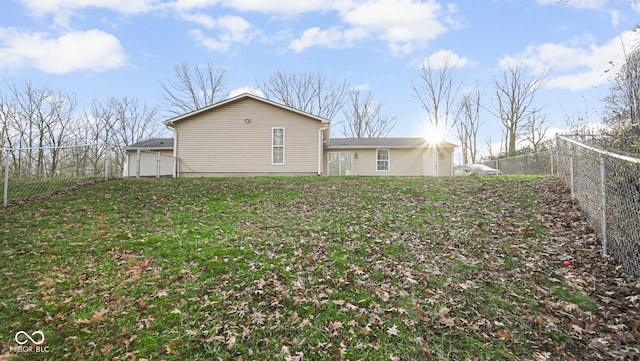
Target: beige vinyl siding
{"x": 149, "y": 163}
{"x": 236, "y": 139}
{"x": 445, "y": 163}
{"x": 402, "y": 161}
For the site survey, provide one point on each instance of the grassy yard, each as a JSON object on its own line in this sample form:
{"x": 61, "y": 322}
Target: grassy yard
{"x": 313, "y": 268}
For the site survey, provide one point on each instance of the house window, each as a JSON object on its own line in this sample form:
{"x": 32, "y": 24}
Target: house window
{"x": 277, "y": 143}
{"x": 382, "y": 159}
{"x": 340, "y": 163}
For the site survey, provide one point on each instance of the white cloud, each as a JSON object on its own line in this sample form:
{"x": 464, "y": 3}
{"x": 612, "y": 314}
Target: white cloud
{"x": 200, "y": 19}
{"x": 63, "y": 9}
{"x": 189, "y": 5}
{"x": 91, "y": 50}
{"x": 123, "y": 6}
{"x": 231, "y": 30}
{"x": 277, "y": 7}
{"x": 406, "y": 25}
{"x": 575, "y": 65}
{"x": 580, "y": 4}
{"x": 443, "y": 58}
{"x": 599, "y": 5}
{"x": 332, "y": 38}
{"x": 285, "y": 7}
{"x": 246, "y": 89}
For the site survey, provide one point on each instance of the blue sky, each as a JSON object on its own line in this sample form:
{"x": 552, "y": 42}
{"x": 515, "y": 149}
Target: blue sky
{"x": 100, "y": 48}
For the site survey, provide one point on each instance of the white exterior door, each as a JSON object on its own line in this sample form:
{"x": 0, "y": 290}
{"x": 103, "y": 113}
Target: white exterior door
{"x": 429, "y": 163}
{"x": 339, "y": 163}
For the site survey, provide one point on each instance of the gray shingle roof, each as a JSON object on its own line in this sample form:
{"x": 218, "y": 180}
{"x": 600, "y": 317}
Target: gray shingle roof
{"x": 380, "y": 142}
{"x": 334, "y": 143}
{"x": 156, "y": 143}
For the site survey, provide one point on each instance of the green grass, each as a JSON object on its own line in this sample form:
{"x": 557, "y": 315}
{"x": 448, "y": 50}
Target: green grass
{"x": 270, "y": 268}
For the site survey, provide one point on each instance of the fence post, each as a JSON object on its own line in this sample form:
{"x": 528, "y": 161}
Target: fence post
{"x": 138, "y": 163}
{"x": 571, "y": 185}
{"x": 158, "y": 166}
{"x": 5, "y": 197}
{"x": 603, "y": 205}
{"x": 557, "y": 155}
{"x": 105, "y": 172}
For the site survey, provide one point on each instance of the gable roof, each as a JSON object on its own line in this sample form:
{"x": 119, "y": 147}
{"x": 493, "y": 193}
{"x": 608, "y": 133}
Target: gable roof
{"x": 155, "y": 144}
{"x": 222, "y": 103}
{"x": 337, "y": 143}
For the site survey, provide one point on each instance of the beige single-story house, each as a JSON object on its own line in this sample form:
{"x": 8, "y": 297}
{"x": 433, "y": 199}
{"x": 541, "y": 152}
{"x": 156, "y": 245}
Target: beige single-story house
{"x": 248, "y": 135}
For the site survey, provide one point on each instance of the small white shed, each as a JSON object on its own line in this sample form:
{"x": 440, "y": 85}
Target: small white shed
{"x": 150, "y": 158}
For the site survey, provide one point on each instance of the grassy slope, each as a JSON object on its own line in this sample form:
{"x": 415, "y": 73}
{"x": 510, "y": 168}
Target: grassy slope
{"x": 277, "y": 268}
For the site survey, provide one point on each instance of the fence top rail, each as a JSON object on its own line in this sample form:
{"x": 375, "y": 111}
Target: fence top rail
{"x": 602, "y": 152}
{"x": 521, "y": 155}
{"x": 4, "y": 149}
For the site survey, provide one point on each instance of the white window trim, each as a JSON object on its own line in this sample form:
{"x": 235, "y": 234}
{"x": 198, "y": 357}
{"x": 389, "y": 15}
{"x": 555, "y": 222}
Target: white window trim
{"x": 388, "y": 160}
{"x": 273, "y": 146}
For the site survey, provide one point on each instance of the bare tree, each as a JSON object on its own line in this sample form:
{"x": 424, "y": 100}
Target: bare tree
{"x": 437, "y": 91}
{"x": 489, "y": 144}
{"x": 39, "y": 120}
{"x": 192, "y": 88}
{"x": 536, "y": 131}
{"x": 7, "y": 116}
{"x": 307, "y": 92}
{"x": 135, "y": 120}
{"x": 468, "y": 125}
{"x": 515, "y": 94}
{"x": 115, "y": 123}
{"x": 364, "y": 117}
{"x": 622, "y": 110}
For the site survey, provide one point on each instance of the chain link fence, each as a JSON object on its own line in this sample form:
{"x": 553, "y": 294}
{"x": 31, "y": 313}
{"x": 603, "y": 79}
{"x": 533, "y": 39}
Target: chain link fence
{"x": 605, "y": 185}
{"x": 607, "y": 188}
{"x": 33, "y": 172}
{"x": 534, "y": 163}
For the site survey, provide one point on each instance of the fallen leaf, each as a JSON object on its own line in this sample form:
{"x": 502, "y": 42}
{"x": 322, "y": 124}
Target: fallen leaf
{"x": 503, "y": 335}
{"x": 82, "y": 321}
{"x": 393, "y": 331}
{"x": 106, "y": 348}
{"x": 336, "y": 326}
{"x": 98, "y": 316}
{"x": 443, "y": 312}
{"x": 231, "y": 341}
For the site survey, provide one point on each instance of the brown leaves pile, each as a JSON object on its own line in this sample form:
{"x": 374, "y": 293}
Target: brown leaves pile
{"x": 612, "y": 330}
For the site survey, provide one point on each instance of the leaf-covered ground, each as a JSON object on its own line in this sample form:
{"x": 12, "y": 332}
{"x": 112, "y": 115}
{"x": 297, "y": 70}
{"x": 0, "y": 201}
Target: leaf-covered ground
{"x": 313, "y": 268}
